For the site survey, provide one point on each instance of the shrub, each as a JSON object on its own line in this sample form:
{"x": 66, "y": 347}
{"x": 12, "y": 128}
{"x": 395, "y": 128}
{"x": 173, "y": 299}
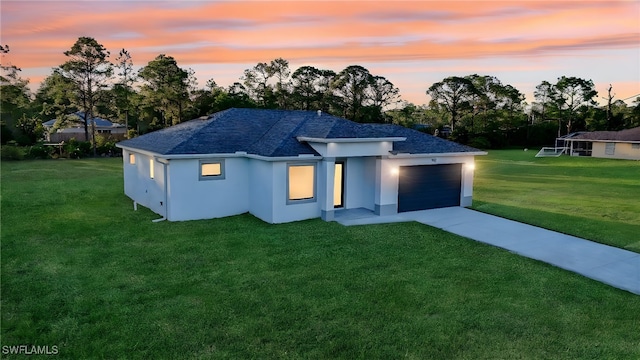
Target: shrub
{"x": 75, "y": 149}
{"x": 10, "y": 152}
{"x": 40, "y": 151}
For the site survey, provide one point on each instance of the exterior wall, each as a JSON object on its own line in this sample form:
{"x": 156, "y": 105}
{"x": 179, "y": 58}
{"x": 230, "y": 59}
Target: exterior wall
{"x": 360, "y": 183}
{"x": 283, "y": 212}
{"x": 343, "y": 149}
{"x": 140, "y": 187}
{"x": 386, "y": 192}
{"x": 622, "y": 151}
{"x": 191, "y": 198}
{"x": 261, "y": 189}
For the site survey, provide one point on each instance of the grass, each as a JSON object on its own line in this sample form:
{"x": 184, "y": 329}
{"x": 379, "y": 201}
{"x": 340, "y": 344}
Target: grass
{"x": 81, "y": 270}
{"x": 596, "y": 199}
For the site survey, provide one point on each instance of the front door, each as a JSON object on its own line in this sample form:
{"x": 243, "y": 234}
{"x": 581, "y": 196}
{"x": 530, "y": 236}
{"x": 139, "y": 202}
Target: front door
{"x": 338, "y": 185}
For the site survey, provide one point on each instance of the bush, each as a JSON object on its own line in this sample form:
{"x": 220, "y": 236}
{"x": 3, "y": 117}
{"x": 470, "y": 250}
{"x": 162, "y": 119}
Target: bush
{"x": 40, "y": 151}
{"x": 106, "y": 146}
{"x": 75, "y": 149}
{"x": 11, "y": 152}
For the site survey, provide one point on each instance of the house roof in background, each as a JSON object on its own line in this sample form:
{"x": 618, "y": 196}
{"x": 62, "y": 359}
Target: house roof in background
{"x": 79, "y": 115}
{"x": 274, "y": 133}
{"x": 627, "y": 135}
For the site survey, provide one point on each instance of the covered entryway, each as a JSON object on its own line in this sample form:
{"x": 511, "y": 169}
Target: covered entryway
{"x": 422, "y": 187}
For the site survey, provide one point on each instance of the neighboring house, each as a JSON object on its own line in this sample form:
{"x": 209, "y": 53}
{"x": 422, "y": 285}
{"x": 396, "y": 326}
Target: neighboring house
{"x": 284, "y": 166}
{"x": 74, "y": 128}
{"x": 623, "y": 144}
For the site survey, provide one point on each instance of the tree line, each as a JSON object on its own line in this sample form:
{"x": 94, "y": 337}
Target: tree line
{"x": 475, "y": 109}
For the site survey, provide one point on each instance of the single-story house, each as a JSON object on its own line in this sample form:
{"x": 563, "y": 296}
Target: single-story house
{"x": 283, "y": 166}
{"x": 74, "y": 128}
{"x": 623, "y": 144}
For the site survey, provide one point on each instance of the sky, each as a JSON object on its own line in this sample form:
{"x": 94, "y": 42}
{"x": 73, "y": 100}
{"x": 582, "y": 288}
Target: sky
{"x": 412, "y": 43}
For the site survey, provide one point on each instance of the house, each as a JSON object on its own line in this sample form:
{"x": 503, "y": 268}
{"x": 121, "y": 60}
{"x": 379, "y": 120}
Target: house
{"x": 284, "y": 166}
{"x": 623, "y": 144}
{"x": 74, "y": 128}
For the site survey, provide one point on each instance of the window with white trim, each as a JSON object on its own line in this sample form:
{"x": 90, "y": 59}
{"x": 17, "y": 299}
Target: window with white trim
{"x": 635, "y": 146}
{"x": 132, "y": 159}
{"x": 211, "y": 169}
{"x": 301, "y": 182}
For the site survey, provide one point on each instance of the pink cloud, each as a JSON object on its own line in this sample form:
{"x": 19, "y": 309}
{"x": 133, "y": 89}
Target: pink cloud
{"x": 319, "y": 32}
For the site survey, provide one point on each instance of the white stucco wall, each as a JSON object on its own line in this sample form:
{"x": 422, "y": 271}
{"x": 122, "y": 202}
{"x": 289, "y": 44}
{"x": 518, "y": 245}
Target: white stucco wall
{"x": 261, "y": 189}
{"x": 360, "y": 182}
{"x": 286, "y": 212}
{"x": 345, "y": 149}
{"x": 191, "y": 198}
{"x": 138, "y": 184}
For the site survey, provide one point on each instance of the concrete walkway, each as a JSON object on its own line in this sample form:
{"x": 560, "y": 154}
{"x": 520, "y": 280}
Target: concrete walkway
{"x": 610, "y": 265}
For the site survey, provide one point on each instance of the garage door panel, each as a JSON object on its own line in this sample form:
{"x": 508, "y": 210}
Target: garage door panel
{"x": 429, "y": 186}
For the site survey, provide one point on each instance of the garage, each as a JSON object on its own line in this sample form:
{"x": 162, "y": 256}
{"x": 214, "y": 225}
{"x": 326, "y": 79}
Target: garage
{"x": 422, "y": 187}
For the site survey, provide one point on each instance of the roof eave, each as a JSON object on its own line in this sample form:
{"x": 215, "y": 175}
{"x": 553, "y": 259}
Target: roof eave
{"x": 447, "y": 154}
{"x": 220, "y": 155}
{"x": 349, "y": 140}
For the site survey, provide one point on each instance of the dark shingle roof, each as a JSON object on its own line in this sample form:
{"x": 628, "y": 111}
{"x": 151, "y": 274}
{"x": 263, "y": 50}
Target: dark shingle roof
{"x": 420, "y": 143}
{"x": 274, "y": 133}
{"x": 622, "y": 135}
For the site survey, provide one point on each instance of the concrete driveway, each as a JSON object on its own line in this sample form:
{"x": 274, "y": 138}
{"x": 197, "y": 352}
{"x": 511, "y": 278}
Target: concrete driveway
{"x": 610, "y": 265}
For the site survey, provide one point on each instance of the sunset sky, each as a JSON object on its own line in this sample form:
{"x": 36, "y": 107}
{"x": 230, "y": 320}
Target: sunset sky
{"x": 411, "y": 43}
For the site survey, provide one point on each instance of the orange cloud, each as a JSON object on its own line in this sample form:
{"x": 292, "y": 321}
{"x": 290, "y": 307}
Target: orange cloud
{"x": 320, "y": 31}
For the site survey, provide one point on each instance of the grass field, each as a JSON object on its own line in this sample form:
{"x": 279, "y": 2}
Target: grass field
{"x": 82, "y": 271}
{"x": 596, "y": 199}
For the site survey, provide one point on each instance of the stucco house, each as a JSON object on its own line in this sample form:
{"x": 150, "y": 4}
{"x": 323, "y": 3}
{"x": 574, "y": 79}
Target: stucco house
{"x": 623, "y": 144}
{"x": 74, "y": 128}
{"x": 283, "y": 166}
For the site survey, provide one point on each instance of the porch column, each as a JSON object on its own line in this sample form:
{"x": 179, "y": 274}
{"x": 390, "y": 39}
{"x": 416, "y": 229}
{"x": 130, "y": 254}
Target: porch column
{"x": 386, "y": 193}
{"x": 327, "y": 170}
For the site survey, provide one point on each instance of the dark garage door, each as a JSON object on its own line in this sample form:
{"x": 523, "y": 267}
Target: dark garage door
{"x": 429, "y": 186}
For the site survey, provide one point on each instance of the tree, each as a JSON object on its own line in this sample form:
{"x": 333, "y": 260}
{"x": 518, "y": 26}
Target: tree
{"x": 633, "y": 120}
{"x": 351, "y": 85}
{"x": 304, "y": 83}
{"x": 15, "y": 97}
{"x": 279, "y": 69}
{"x": 124, "y": 89}
{"x": 382, "y": 92}
{"x": 572, "y": 94}
{"x": 544, "y": 95}
{"x": 256, "y": 83}
{"x": 55, "y": 96}
{"x": 89, "y": 71}
{"x": 166, "y": 89}
{"x": 452, "y": 93}
{"x": 311, "y": 88}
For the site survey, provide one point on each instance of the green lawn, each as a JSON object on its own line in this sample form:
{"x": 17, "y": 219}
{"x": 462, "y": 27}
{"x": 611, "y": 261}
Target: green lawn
{"x": 82, "y": 271}
{"x": 596, "y": 199}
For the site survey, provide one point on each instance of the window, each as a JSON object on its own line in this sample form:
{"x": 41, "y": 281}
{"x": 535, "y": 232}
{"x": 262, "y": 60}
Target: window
{"x": 301, "y": 182}
{"x": 635, "y": 146}
{"x": 211, "y": 169}
{"x": 609, "y": 148}
{"x": 132, "y": 159}
{"x": 151, "y": 165}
